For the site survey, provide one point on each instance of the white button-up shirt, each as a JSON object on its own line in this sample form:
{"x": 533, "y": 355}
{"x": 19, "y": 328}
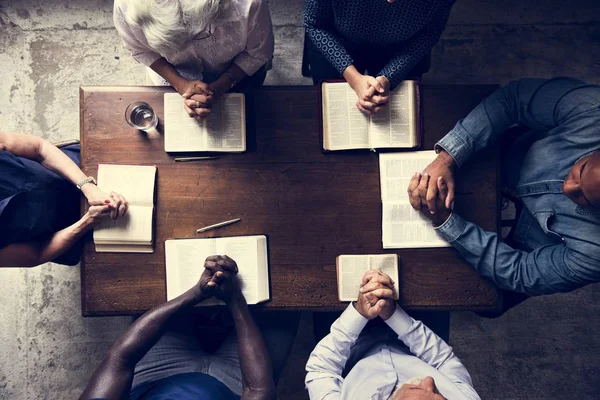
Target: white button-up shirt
{"x": 241, "y": 33}
{"x": 385, "y": 367}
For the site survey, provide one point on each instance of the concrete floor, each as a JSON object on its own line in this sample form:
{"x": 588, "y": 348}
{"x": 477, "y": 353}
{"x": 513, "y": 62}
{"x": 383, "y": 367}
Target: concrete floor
{"x": 547, "y": 348}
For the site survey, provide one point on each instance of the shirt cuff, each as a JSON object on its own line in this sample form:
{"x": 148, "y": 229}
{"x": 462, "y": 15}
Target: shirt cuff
{"x": 351, "y": 321}
{"x": 249, "y": 64}
{"x": 452, "y": 229}
{"x": 454, "y": 144}
{"x": 146, "y": 58}
{"x": 400, "y": 321}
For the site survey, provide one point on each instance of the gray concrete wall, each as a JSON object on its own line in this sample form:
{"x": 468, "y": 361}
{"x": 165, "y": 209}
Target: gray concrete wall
{"x": 546, "y": 348}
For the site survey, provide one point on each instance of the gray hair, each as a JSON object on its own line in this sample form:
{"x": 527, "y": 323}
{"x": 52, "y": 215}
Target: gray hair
{"x": 169, "y": 25}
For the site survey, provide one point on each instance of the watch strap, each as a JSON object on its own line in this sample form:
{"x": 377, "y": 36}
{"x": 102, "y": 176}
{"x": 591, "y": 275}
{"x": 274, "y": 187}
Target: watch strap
{"x": 89, "y": 179}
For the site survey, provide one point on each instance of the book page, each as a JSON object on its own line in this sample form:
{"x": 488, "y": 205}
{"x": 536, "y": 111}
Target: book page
{"x": 135, "y": 227}
{"x": 244, "y": 252}
{"x": 135, "y": 182}
{"x": 226, "y": 124}
{"x": 395, "y": 125}
{"x": 351, "y": 269}
{"x": 397, "y": 169}
{"x": 184, "y": 260}
{"x": 388, "y": 264}
{"x": 404, "y": 227}
{"x": 344, "y": 126}
{"x": 182, "y": 133}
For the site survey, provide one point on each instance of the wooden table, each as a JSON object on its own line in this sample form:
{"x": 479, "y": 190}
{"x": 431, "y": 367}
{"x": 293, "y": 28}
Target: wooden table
{"x": 313, "y": 206}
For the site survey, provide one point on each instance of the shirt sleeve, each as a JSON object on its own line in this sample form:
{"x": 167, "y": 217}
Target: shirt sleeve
{"x": 415, "y": 49}
{"x": 319, "y": 24}
{"x": 326, "y": 362}
{"x": 133, "y": 39}
{"x": 542, "y": 271}
{"x": 534, "y": 103}
{"x": 432, "y": 349}
{"x": 260, "y": 42}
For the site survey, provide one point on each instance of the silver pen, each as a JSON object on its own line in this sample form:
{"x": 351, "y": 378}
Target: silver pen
{"x": 183, "y": 159}
{"x": 220, "y": 224}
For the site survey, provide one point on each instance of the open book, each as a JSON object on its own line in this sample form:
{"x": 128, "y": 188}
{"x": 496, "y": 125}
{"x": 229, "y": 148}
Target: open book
{"x": 351, "y": 268}
{"x": 131, "y": 233}
{"x": 397, "y": 125}
{"x": 185, "y": 264}
{"x": 224, "y": 130}
{"x": 403, "y": 226}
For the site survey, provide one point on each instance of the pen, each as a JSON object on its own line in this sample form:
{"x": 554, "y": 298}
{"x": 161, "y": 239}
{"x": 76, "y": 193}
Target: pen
{"x": 194, "y": 158}
{"x": 220, "y": 224}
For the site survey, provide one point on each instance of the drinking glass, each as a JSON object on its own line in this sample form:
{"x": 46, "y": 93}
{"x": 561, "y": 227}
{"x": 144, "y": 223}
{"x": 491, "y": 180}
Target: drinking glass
{"x": 141, "y": 116}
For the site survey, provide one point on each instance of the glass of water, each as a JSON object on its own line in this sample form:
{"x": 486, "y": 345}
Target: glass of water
{"x": 141, "y": 116}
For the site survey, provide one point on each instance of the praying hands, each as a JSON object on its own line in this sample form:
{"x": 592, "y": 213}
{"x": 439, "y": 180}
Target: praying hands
{"x": 430, "y": 203}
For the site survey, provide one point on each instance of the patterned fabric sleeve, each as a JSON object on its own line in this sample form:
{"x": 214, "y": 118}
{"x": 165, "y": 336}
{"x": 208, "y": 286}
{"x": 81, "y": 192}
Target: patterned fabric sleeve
{"x": 318, "y": 21}
{"x": 416, "y": 48}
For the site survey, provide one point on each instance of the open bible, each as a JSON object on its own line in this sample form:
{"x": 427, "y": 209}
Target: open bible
{"x": 403, "y": 226}
{"x": 131, "y": 233}
{"x": 224, "y": 130}
{"x": 351, "y": 268}
{"x": 185, "y": 264}
{"x": 397, "y": 125}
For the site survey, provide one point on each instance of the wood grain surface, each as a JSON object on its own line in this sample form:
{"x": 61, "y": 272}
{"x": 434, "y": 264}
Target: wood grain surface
{"x": 312, "y": 205}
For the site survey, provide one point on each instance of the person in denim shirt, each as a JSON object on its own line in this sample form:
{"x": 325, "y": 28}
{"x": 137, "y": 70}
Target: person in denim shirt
{"x": 553, "y": 168}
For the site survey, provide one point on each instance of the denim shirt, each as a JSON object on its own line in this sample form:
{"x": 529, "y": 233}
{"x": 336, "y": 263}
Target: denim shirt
{"x": 560, "y": 240}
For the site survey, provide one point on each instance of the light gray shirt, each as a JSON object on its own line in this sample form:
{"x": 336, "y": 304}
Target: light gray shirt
{"x": 385, "y": 367}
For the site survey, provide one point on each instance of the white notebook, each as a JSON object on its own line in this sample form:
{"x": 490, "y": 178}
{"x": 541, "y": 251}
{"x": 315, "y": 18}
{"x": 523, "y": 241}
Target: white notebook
{"x": 185, "y": 264}
{"x": 402, "y": 226}
{"x": 224, "y": 130}
{"x": 131, "y": 233}
{"x": 351, "y": 268}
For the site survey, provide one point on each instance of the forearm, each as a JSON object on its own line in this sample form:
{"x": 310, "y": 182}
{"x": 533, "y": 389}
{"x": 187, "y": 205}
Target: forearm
{"x": 233, "y": 75}
{"x": 255, "y": 361}
{"x": 541, "y": 271}
{"x": 168, "y": 71}
{"x": 36, "y": 253}
{"x": 37, "y": 149}
{"x": 328, "y": 359}
{"x": 490, "y": 119}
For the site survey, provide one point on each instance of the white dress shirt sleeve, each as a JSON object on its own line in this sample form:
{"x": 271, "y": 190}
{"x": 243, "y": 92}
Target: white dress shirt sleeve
{"x": 326, "y": 362}
{"x": 133, "y": 39}
{"x": 432, "y": 349}
{"x": 260, "y": 43}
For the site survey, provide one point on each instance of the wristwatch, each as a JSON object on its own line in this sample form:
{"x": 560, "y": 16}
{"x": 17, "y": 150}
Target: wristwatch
{"x": 89, "y": 179}
{"x": 228, "y": 74}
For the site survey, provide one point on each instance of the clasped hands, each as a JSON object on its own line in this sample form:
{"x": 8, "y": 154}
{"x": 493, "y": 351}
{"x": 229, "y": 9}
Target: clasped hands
{"x": 432, "y": 191}
{"x": 199, "y": 97}
{"x": 219, "y": 280}
{"x": 102, "y": 205}
{"x": 376, "y": 297}
{"x": 373, "y": 93}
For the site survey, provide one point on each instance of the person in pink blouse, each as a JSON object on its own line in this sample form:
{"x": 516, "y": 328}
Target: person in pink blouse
{"x": 203, "y": 48}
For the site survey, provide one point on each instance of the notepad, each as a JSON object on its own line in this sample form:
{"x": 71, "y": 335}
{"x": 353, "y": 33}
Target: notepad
{"x": 351, "y": 269}
{"x": 397, "y": 125}
{"x": 131, "y": 233}
{"x": 224, "y": 130}
{"x": 403, "y": 226}
{"x": 184, "y": 263}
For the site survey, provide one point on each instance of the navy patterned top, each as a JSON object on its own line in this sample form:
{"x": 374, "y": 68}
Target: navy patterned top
{"x": 413, "y": 27}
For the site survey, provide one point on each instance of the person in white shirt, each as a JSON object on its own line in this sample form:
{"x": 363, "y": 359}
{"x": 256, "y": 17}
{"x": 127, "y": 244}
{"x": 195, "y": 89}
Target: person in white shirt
{"x": 354, "y": 362}
{"x": 202, "y": 48}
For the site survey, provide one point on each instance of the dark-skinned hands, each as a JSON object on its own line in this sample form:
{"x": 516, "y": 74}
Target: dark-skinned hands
{"x": 219, "y": 279}
{"x": 376, "y": 297}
